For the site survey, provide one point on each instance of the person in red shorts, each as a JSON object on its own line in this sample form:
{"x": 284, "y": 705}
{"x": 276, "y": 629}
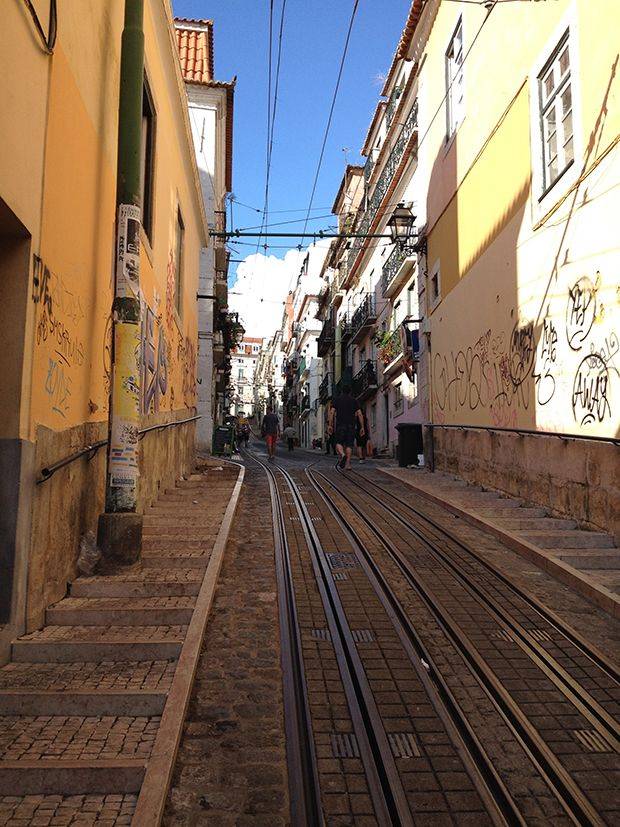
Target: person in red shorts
{"x": 270, "y": 429}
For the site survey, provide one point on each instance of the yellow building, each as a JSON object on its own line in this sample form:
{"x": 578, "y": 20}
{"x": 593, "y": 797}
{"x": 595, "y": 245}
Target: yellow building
{"x": 518, "y": 173}
{"x": 58, "y": 156}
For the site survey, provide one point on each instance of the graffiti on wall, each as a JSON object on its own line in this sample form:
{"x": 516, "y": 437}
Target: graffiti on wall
{"x": 186, "y": 357}
{"x": 154, "y": 358}
{"x": 59, "y": 314}
{"x": 506, "y": 377}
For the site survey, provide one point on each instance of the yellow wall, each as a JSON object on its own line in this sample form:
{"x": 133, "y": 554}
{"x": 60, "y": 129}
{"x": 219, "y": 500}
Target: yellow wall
{"x": 526, "y": 332}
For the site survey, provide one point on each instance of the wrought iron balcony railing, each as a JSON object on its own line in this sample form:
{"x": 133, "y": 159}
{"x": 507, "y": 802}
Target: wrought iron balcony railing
{"x": 325, "y": 388}
{"x": 383, "y": 181}
{"x": 393, "y": 264}
{"x": 364, "y": 316}
{"x": 392, "y": 104}
{"x": 345, "y": 327}
{"x": 365, "y": 380}
{"x": 305, "y": 403}
{"x": 326, "y": 339}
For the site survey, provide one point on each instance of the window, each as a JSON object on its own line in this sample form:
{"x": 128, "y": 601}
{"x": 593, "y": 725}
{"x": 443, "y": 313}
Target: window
{"x": 454, "y": 81}
{"x": 373, "y": 416}
{"x": 147, "y": 160}
{"x": 411, "y": 299}
{"x": 556, "y": 114}
{"x": 178, "y": 274}
{"x": 398, "y": 399}
{"x": 435, "y": 279}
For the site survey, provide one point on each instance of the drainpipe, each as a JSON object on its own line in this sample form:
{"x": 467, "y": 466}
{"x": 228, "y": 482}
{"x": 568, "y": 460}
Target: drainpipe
{"x": 120, "y": 527}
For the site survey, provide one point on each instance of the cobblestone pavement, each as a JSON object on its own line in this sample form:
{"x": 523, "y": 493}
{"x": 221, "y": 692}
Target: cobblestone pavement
{"x": 231, "y": 767}
{"x": 67, "y": 811}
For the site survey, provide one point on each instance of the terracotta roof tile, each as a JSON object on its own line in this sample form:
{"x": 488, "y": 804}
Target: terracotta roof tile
{"x": 195, "y": 45}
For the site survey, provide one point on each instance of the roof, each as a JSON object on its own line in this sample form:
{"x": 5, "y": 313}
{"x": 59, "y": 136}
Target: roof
{"x": 345, "y": 179}
{"x": 195, "y": 44}
{"x": 406, "y": 37}
{"x": 371, "y": 129}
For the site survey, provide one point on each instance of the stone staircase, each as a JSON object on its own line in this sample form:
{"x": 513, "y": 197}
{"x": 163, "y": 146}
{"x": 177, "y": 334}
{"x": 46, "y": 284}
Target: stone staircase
{"x": 589, "y": 561}
{"x": 82, "y": 700}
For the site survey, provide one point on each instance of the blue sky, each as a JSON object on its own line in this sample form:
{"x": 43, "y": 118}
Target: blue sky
{"x": 314, "y": 35}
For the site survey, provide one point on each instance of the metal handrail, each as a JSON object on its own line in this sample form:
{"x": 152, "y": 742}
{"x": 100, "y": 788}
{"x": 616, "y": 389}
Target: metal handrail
{"x": 559, "y": 435}
{"x": 50, "y": 470}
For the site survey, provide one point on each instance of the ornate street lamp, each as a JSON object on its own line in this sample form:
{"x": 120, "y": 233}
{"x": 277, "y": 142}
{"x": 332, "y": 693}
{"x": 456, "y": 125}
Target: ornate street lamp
{"x": 401, "y": 224}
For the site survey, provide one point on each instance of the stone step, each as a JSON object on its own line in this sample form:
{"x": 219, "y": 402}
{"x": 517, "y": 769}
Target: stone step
{"x": 568, "y": 539}
{"x": 85, "y": 809}
{"x": 198, "y": 521}
{"x": 176, "y": 543}
{"x": 69, "y": 778}
{"x": 176, "y": 562}
{"x": 83, "y": 702}
{"x": 608, "y": 578}
{"x": 165, "y": 531}
{"x": 76, "y": 737}
{"x": 104, "y": 611}
{"x": 64, "y": 644}
{"x": 510, "y": 513}
{"x": 590, "y": 558}
{"x": 112, "y": 587}
{"x": 530, "y": 524}
{"x": 97, "y": 677}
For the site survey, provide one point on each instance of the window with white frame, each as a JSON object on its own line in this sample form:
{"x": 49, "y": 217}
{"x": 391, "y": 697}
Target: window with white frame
{"x": 455, "y": 91}
{"x": 556, "y": 114}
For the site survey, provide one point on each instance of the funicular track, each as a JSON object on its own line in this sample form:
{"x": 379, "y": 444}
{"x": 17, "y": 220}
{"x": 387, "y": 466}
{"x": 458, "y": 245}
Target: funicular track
{"x": 519, "y": 624}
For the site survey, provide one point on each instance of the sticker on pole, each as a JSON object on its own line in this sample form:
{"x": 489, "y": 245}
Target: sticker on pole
{"x": 128, "y": 251}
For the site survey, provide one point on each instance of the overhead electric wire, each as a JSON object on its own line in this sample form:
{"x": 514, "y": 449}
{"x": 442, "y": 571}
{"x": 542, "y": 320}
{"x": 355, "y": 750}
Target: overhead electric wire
{"x": 269, "y": 61}
{"x": 331, "y": 109}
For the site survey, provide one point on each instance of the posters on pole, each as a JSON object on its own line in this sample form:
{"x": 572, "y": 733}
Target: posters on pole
{"x": 128, "y": 251}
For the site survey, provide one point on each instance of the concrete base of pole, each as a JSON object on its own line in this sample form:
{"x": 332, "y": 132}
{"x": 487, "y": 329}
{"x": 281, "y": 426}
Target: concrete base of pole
{"x": 119, "y": 536}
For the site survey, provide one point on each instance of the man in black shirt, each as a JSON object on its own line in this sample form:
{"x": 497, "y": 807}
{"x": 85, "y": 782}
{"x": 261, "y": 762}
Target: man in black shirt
{"x": 343, "y": 413}
{"x": 270, "y": 430}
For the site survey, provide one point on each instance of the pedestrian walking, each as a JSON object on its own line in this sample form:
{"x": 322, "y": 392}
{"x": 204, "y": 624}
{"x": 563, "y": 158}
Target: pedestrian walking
{"x": 329, "y": 437}
{"x": 270, "y": 430}
{"x": 362, "y": 438}
{"x": 344, "y": 414}
{"x": 289, "y": 435}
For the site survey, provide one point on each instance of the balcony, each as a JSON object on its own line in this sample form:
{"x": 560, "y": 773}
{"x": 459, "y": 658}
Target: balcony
{"x": 397, "y": 268}
{"x": 345, "y": 379}
{"x": 327, "y": 338}
{"x": 364, "y": 319}
{"x": 305, "y": 404}
{"x": 365, "y": 381}
{"x": 392, "y": 105}
{"x": 390, "y": 351}
{"x": 325, "y": 389}
{"x": 345, "y": 328}
{"x": 391, "y": 164}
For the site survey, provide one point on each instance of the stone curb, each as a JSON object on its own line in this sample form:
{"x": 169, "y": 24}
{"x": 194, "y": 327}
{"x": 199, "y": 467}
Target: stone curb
{"x": 154, "y": 790}
{"x": 46, "y": 777}
{"x": 81, "y": 702}
{"x": 540, "y": 557}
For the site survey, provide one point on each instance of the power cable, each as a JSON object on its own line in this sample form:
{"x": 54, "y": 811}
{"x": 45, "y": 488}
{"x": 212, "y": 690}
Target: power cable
{"x": 331, "y": 109}
{"x": 269, "y": 61}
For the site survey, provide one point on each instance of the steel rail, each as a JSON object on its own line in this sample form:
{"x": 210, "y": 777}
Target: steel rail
{"x": 304, "y": 788}
{"x": 385, "y": 788}
{"x": 581, "y": 699}
{"x": 501, "y": 807}
{"x": 568, "y": 793}
{"x": 594, "y": 654}
{"x": 389, "y": 798}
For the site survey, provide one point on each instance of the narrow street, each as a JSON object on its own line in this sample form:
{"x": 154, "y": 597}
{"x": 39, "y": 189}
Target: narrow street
{"x": 425, "y": 674}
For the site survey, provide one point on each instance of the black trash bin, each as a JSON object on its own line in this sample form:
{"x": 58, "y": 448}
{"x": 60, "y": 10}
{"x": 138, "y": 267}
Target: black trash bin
{"x": 410, "y": 443}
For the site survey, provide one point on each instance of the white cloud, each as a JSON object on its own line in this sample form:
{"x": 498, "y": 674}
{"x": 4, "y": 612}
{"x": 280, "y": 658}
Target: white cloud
{"x": 260, "y": 289}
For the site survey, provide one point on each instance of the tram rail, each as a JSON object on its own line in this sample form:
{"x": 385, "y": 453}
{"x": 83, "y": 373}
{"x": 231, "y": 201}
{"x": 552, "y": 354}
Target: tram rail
{"x": 574, "y": 801}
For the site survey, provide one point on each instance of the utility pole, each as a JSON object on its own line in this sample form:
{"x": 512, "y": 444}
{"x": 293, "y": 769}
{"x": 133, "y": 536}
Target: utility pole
{"x": 120, "y": 527}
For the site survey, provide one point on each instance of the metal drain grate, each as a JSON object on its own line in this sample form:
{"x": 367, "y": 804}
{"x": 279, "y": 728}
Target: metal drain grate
{"x": 363, "y": 636}
{"x": 592, "y": 740}
{"x": 404, "y": 745}
{"x": 342, "y": 561}
{"x": 340, "y": 575}
{"x": 540, "y": 635}
{"x": 320, "y": 634}
{"x": 344, "y": 745}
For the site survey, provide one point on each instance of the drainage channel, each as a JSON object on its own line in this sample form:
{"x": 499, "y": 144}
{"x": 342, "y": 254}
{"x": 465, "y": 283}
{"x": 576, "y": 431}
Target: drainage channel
{"x": 575, "y": 802}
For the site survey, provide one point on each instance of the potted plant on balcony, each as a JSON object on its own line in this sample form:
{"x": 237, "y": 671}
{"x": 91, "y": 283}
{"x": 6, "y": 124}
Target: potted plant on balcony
{"x": 387, "y": 347}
